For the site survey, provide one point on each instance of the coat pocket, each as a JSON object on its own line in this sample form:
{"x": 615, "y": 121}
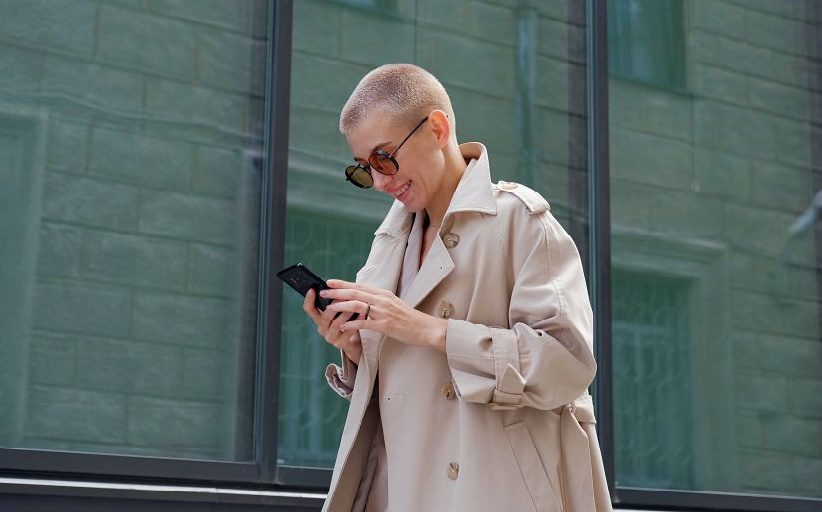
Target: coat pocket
{"x": 530, "y": 465}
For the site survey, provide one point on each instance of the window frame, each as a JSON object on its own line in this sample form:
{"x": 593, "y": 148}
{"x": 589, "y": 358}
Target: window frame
{"x": 272, "y": 481}
{"x": 599, "y": 136}
{"x": 28, "y": 462}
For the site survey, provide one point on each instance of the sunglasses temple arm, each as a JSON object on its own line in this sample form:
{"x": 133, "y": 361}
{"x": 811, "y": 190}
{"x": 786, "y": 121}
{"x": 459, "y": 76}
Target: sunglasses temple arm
{"x": 407, "y": 136}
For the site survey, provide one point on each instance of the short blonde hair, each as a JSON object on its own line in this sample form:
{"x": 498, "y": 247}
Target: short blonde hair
{"x": 405, "y": 91}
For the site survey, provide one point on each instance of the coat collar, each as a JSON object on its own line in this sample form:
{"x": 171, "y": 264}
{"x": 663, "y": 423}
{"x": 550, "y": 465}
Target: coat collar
{"x": 473, "y": 193}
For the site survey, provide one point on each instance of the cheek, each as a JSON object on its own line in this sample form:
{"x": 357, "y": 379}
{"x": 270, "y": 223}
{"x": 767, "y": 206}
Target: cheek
{"x": 423, "y": 181}
{"x": 425, "y": 174}
{"x": 427, "y": 171}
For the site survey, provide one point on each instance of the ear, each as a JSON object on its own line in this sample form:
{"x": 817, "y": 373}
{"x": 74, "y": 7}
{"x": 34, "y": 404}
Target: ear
{"x": 440, "y": 126}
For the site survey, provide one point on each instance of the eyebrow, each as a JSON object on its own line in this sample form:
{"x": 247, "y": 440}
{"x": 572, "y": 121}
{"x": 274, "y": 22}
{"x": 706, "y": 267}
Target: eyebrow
{"x": 381, "y": 144}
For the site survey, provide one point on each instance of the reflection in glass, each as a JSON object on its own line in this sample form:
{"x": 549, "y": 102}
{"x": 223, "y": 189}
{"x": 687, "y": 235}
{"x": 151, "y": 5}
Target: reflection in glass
{"x": 717, "y": 254}
{"x": 130, "y": 143}
{"x": 525, "y": 102}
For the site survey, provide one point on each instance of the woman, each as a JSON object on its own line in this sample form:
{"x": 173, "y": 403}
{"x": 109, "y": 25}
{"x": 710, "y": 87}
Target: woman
{"x": 469, "y": 362}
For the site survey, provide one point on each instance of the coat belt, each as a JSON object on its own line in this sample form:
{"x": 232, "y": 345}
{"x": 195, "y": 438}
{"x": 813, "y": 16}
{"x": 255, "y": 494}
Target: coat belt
{"x": 578, "y": 495}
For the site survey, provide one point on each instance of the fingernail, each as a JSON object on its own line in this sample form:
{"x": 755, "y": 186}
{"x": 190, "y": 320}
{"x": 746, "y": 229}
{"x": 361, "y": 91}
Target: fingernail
{"x": 324, "y": 293}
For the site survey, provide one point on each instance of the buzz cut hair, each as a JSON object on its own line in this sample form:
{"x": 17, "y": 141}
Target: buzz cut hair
{"x": 406, "y": 92}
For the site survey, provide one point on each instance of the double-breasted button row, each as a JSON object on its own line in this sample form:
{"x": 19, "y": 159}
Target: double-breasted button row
{"x": 450, "y": 240}
{"x": 445, "y": 309}
{"x": 453, "y": 470}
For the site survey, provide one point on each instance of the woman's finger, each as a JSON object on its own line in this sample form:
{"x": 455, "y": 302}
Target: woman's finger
{"x": 349, "y": 306}
{"x": 327, "y": 317}
{"x": 360, "y": 324}
{"x": 308, "y": 306}
{"x": 339, "y": 283}
{"x": 335, "y": 328}
{"x": 339, "y": 294}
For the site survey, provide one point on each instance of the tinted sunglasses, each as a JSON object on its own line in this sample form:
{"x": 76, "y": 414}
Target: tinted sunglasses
{"x": 380, "y": 160}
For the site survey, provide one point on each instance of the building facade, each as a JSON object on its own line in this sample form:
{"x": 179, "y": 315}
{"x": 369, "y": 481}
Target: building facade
{"x": 160, "y": 160}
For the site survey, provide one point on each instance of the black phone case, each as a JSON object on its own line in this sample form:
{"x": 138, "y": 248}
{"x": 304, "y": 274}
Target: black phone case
{"x": 301, "y": 279}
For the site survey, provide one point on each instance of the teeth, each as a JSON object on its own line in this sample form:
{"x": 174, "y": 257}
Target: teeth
{"x": 403, "y": 189}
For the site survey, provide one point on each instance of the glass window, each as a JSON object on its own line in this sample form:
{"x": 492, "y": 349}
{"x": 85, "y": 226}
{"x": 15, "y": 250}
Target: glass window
{"x": 646, "y": 42}
{"x": 516, "y": 78}
{"x": 650, "y": 334}
{"x": 130, "y": 148}
{"x": 717, "y": 253}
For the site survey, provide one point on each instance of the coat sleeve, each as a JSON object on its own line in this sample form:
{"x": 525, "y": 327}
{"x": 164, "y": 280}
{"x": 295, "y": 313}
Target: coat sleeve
{"x": 341, "y": 378}
{"x": 545, "y": 359}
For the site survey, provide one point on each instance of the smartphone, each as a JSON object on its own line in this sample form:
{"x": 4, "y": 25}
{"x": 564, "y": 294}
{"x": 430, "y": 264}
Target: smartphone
{"x": 301, "y": 279}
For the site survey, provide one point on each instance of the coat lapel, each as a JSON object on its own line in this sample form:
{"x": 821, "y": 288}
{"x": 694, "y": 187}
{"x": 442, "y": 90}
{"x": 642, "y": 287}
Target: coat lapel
{"x": 473, "y": 193}
{"x": 382, "y": 270}
{"x": 384, "y": 264}
{"x": 436, "y": 267}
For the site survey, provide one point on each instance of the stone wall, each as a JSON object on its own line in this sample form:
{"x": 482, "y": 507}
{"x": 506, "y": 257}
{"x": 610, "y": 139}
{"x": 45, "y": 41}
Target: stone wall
{"x": 152, "y": 116}
{"x": 136, "y": 321}
{"x": 729, "y": 163}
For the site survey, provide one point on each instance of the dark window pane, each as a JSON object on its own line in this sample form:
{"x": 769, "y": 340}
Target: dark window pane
{"x": 646, "y": 41}
{"x": 516, "y": 78}
{"x": 717, "y": 252}
{"x": 130, "y": 143}
{"x": 651, "y": 340}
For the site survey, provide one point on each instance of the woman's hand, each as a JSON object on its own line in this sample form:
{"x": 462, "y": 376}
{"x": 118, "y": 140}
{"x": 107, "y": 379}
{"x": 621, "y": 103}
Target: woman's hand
{"x": 329, "y": 328}
{"x": 387, "y": 314}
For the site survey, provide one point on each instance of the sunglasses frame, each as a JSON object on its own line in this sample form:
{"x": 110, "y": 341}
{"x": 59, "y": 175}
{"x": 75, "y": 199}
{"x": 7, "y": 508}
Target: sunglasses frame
{"x": 351, "y": 169}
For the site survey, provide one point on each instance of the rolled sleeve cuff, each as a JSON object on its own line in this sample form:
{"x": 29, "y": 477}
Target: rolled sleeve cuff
{"x": 342, "y": 378}
{"x": 484, "y": 363}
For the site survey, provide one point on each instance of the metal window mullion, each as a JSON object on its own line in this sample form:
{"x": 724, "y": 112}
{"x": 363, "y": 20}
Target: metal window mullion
{"x": 600, "y": 223}
{"x": 272, "y": 232}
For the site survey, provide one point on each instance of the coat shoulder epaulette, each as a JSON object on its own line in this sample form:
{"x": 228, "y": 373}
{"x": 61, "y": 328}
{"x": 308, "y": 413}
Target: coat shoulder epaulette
{"x": 532, "y": 199}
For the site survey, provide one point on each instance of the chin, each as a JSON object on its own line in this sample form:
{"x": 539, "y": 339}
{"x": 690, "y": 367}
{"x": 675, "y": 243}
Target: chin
{"x": 415, "y": 206}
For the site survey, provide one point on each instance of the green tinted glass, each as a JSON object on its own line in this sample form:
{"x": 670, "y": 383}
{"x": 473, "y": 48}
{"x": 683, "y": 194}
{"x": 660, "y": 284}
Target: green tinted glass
{"x": 514, "y": 79}
{"x": 716, "y": 246}
{"x": 129, "y": 184}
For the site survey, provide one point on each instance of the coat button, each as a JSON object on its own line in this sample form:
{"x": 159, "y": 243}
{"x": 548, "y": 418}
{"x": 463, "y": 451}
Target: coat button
{"x": 448, "y": 391}
{"x": 445, "y": 309}
{"x": 453, "y": 470}
{"x": 451, "y": 240}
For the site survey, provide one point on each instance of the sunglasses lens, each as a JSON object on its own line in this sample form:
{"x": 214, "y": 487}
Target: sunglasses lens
{"x": 380, "y": 161}
{"x": 358, "y": 176}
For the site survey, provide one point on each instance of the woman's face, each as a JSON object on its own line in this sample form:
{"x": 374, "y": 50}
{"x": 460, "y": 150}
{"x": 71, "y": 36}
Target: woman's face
{"x": 420, "y": 159}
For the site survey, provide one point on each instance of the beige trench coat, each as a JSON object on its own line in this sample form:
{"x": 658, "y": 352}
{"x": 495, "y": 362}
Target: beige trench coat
{"x": 503, "y": 421}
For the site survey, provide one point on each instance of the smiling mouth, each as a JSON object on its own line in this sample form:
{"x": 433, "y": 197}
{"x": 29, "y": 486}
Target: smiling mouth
{"x": 402, "y": 190}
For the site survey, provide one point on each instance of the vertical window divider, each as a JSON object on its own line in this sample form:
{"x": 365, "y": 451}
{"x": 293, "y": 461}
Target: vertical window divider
{"x": 272, "y": 225}
{"x": 596, "y": 27}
